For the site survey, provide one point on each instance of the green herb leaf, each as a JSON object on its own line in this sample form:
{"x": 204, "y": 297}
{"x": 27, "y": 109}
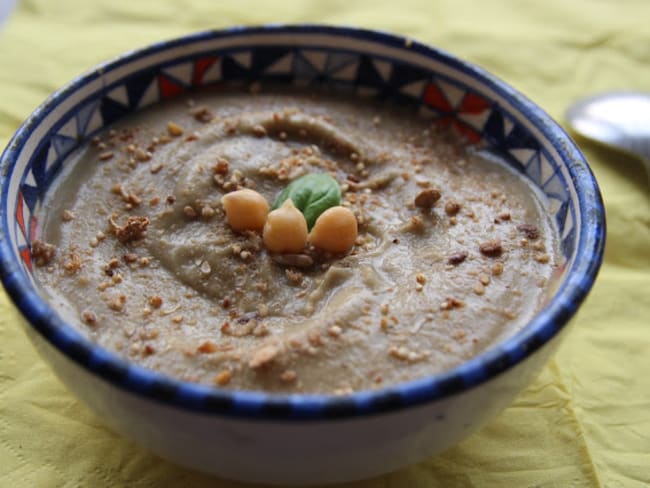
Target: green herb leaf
{"x": 312, "y": 194}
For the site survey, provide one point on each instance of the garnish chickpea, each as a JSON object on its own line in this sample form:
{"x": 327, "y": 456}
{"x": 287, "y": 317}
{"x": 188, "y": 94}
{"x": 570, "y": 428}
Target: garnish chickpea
{"x": 335, "y": 230}
{"x": 245, "y": 209}
{"x": 285, "y": 230}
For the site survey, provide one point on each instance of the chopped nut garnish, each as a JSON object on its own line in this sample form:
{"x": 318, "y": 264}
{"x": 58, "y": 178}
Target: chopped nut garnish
{"x": 130, "y": 258}
{"x": 89, "y": 317}
{"x": 491, "y": 248}
{"x": 261, "y": 330}
{"x": 174, "y": 129}
{"x": 288, "y": 376}
{"x": 67, "y": 216}
{"x": 295, "y": 277}
{"x": 451, "y": 303}
{"x": 202, "y": 114}
{"x": 541, "y": 257}
{"x": 156, "y": 168}
{"x": 105, "y": 156}
{"x": 457, "y": 258}
{"x": 452, "y": 207}
{"x": 134, "y": 229}
{"x": 207, "y": 347}
{"x": 133, "y": 200}
{"x": 207, "y": 212}
{"x": 459, "y": 335}
{"x": 142, "y": 156}
{"x": 420, "y": 278}
{"x": 73, "y": 264}
{"x": 259, "y": 130}
{"x": 334, "y": 331}
{"x": 427, "y": 198}
{"x": 484, "y": 279}
{"x": 117, "y": 303}
{"x": 539, "y": 246}
{"x": 42, "y": 252}
{"x": 264, "y": 357}
{"x": 221, "y": 168}
{"x": 384, "y": 324}
{"x": 529, "y": 230}
{"x": 223, "y": 378}
{"x": 189, "y": 212}
{"x": 479, "y": 289}
{"x": 497, "y": 269}
{"x": 155, "y": 301}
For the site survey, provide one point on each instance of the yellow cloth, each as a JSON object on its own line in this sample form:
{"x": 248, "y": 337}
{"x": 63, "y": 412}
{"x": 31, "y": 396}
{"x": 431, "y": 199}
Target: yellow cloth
{"x": 584, "y": 422}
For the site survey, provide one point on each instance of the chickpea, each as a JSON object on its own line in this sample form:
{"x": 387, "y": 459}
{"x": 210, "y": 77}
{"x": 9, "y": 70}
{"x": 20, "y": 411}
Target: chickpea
{"x": 285, "y": 230}
{"x": 245, "y": 209}
{"x": 335, "y": 230}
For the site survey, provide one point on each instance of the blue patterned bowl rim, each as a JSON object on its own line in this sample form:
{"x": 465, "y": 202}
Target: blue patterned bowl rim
{"x": 546, "y": 324}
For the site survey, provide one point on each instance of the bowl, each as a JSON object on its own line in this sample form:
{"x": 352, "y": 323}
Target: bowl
{"x": 299, "y": 438}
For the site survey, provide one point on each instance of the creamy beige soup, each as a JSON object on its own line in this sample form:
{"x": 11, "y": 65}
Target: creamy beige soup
{"x": 453, "y": 253}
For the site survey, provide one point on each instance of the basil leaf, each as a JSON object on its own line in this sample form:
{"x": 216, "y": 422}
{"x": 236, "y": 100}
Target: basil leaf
{"x": 312, "y": 194}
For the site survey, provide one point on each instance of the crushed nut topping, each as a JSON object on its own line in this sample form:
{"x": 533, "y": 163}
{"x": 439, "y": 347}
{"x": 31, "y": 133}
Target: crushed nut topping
{"x": 73, "y": 264}
{"x": 427, "y": 198}
{"x": 542, "y": 258}
{"x": 491, "y": 248}
{"x": 497, "y": 269}
{"x": 295, "y": 277}
{"x": 223, "y": 378}
{"x": 259, "y": 131}
{"x": 457, "y": 258}
{"x": 529, "y": 230}
{"x": 452, "y": 207}
{"x": 202, "y": 114}
{"x": 451, "y": 303}
{"x": 334, "y": 331}
{"x": 89, "y": 317}
{"x": 288, "y": 376}
{"x": 174, "y": 129}
{"x": 264, "y": 357}
{"x": 134, "y": 229}
{"x": 117, "y": 303}
{"x": 207, "y": 347}
{"x": 484, "y": 279}
{"x": 221, "y": 167}
{"x": 42, "y": 252}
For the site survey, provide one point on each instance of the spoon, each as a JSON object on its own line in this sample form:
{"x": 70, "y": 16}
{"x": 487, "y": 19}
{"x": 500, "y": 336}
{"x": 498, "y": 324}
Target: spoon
{"x": 620, "y": 120}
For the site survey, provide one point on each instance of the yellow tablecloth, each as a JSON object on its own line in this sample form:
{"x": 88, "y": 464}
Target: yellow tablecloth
{"x": 584, "y": 422}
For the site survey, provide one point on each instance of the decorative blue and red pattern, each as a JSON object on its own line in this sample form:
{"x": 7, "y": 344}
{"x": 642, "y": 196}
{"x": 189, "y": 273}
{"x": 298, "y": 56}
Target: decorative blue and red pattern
{"x": 445, "y": 100}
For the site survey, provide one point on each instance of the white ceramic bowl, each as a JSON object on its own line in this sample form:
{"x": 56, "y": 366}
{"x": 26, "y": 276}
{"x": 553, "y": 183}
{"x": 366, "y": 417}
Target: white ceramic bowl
{"x": 298, "y": 439}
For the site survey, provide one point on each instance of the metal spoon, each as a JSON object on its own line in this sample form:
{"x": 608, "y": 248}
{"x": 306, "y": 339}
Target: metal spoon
{"x": 620, "y": 120}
